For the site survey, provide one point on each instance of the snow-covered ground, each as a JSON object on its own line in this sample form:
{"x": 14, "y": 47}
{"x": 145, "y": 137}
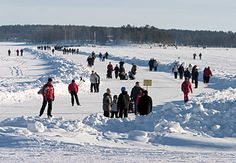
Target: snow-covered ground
{"x": 203, "y": 130}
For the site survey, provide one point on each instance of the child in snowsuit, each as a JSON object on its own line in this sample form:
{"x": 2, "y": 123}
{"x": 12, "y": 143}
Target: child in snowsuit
{"x": 186, "y": 88}
{"x": 114, "y": 109}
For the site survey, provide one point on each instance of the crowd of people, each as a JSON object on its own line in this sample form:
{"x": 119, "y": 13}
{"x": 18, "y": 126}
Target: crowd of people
{"x": 190, "y": 73}
{"x": 138, "y": 102}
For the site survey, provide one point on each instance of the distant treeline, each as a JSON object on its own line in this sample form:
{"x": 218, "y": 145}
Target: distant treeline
{"x": 115, "y": 35}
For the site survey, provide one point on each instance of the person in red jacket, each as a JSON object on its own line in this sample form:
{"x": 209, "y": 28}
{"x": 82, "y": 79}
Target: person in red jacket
{"x": 186, "y": 88}
{"x": 48, "y": 96}
{"x": 73, "y": 90}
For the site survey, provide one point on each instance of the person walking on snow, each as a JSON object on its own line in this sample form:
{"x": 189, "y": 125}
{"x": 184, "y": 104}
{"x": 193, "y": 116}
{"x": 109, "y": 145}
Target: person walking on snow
{"x": 107, "y": 100}
{"x": 9, "y": 52}
{"x": 186, "y": 88}
{"x": 48, "y": 97}
{"x": 73, "y": 90}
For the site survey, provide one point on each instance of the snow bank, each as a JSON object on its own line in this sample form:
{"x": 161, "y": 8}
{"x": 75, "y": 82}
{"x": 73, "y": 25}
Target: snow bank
{"x": 62, "y": 70}
{"x": 209, "y": 114}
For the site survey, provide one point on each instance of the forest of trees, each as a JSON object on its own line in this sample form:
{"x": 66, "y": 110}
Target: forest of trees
{"x": 56, "y": 34}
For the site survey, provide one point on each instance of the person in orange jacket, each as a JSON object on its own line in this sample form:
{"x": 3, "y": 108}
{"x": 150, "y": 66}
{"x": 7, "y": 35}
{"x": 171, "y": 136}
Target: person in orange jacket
{"x": 186, "y": 87}
{"x": 48, "y": 96}
{"x": 73, "y": 90}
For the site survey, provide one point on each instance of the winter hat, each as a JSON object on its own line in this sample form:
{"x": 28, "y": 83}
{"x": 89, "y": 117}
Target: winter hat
{"x": 73, "y": 80}
{"x": 108, "y": 90}
{"x": 49, "y": 79}
{"x": 123, "y": 89}
{"x": 145, "y": 92}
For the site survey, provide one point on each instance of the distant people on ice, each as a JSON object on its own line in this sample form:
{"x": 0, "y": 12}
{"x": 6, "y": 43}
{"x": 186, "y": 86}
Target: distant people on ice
{"x": 200, "y": 56}
{"x": 186, "y": 88}
{"x": 117, "y": 71}
{"x": 195, "y": 75}
{"x": 97, "y": 82}
{"x": 175, "y": 70}
{"x": 193, "y": 71}
{"x": 109, "y": 70}
{"x": 123, "y": 103}
{"x": 187, "y": 73}
{"x": 153, "y": 64}
{"x": 73, "y": 90}
{"x": 93, "y": 81}
{"x": 136, "y": 90}
{"x": 100, "y": 57}
{"x": 48, "y": 97}
{"x": 122, "y": 74}
{"x": 194, "y": 55}
{"x": 107, "y": 101}
{"x": 17, "y": 52}
{"x": 181, "y": 71}
{"x": 9, "y": 52}
{"x": 114, "y": 108}
{"x": 145, "y": 104}
{"x": 106, "y": 55}
{"x": 21, "y": 52}
{"x": 132, "y": 72}
{"x": 207, "y": 74}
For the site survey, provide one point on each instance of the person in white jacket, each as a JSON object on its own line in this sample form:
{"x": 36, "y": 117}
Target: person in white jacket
{"x": 93, "y": 80}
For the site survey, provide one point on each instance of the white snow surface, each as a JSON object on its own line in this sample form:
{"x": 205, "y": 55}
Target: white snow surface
{"x": 202, "y": 130}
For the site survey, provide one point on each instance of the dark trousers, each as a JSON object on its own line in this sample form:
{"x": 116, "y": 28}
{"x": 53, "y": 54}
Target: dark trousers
{"x": 114, "y": 113}
{"x": 93, "y": 87}
{"x": 49, "y": 107}
{"x": 106, "y": 114}
{"x": 123, "y": 113}
{"x": 181, "y": 75}
{"x": 96, "y": 88}
{"x": 196, "y": 83}
{"x": 176, "y": 74}
{"x": 207, "y": 79}
{"x": 74, "y": 95}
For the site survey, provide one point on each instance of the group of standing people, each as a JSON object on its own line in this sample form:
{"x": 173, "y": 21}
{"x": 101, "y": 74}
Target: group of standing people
{"x": 153, "y": 64}
{"x": 95, "y": 82}
{"x": 18, "y": 52}
{"x": 195, "y": 55}
{"x": 120, "y": 105}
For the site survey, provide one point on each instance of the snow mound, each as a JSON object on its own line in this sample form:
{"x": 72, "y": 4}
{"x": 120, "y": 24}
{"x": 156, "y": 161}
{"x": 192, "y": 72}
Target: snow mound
{"x": 35, "y": 127}
{"x": 138, "y": 135}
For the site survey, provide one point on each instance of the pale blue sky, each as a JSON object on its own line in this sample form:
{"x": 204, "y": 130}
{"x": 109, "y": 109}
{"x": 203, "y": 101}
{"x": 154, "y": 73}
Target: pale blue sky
{"x": 165, "y": 14}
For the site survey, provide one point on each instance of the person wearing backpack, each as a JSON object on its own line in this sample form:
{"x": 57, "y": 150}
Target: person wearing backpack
{"x": 48, "y": 97}
{"x": 73, "y": 90}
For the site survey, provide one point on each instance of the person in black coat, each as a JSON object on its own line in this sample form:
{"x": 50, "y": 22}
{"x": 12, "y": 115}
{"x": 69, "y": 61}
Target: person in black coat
{"x": 123, "y": 103}
{"x": 181, "y": 71}
{"x": 195, "y": 76}
{"x": 145, "y": 104}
